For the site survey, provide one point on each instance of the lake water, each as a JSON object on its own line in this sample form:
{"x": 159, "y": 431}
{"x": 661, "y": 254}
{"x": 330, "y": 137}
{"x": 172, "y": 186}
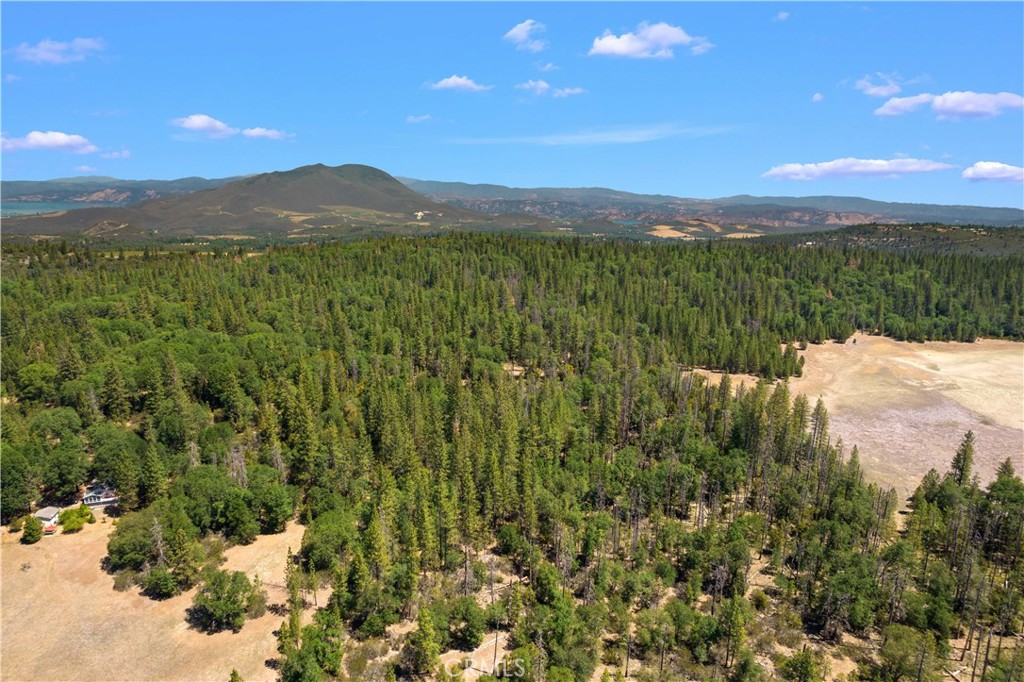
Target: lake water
{"x": 10, "y": 209}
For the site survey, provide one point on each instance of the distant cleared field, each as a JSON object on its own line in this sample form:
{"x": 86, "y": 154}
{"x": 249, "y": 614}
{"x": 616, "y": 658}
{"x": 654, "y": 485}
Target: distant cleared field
{"x": 907, "y": 405}
{"x": 62, "y": 619}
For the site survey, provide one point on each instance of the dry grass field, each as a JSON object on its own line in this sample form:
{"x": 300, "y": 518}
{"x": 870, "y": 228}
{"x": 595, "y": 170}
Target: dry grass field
{"x": 907, "y": 405}
{"x": 62, "y": 621}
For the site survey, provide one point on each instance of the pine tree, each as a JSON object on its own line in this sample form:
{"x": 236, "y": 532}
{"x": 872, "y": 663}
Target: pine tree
{"x": 126, "y": 479}
{"x": 376, "y": 541}
{"x": 424, "y": 644}
{"x": 963, "y": 460}
{"x": 70, "y": 366}
{"x": 153, "y": 476}
{"x": 304, "y": 466}
{"x": 293, "y": 582}
{"x": 184, "y": 559}
{"x": 116, "y": 401}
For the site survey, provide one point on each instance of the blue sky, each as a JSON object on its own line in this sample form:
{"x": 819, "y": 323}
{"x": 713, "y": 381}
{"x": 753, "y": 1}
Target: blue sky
{"x": 901, "y": 102}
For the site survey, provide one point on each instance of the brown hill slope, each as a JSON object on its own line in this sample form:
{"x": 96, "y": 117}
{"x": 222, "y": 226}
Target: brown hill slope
{"x": 309, "y": 200}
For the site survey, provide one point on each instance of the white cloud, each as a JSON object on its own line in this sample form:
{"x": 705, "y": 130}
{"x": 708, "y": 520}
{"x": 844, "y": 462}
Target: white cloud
{"x": 86, "y": 169}
{"x": 897, "y": 106}
{"x": 463, "y": 83}
{"x": 620, "y": 135}
{"x": 853, "y": 168}
{"x": 781, "y": 16}
{"x": 886, "y": 88}
{"x": 567, "y": 92}
{"x": 959, "y": 104}
{"x": 123, "y": 154}
{"x": 215, "y": 129}
{"x": 537, "y": 87}
{"x": 423, "y": 118}
{"x": 265, "y": 133}
{"x": 547, "y": 67}
{"x": 57, "y": 52}
{"x": 540, "y": 87}
{"x": 817, "y": 97}
{"x": 954, "y": 105}
{"x": 209, "y": 126}
{"x": 523, "y": 36}
{"x": 649, "y": 41}
{"x": 49, "y": 140}
{"x": 993, "y": 170}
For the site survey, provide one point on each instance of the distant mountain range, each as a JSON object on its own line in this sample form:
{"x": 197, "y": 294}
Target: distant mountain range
{"x": 757, "y": 212}
{"x": 351, "y": 200}
{"x": 98, "y": 189}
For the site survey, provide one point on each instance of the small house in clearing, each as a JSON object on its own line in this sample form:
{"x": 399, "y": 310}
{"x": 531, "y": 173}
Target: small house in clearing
{"x": 48, "y": 515}
{"x": 100, "y": 495}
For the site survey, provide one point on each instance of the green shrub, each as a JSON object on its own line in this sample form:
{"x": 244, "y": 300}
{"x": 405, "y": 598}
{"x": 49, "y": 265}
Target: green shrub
{"x": 125, "y": 580}
{"x": 73, "y": 520}
{"x": 225, "y": 600}
{"x": 33, "y": 531}
{"x": 760, "y": 600}
{"x": 17, "y": 524}
{"x": 466, "y": 624}
{"x": 159, "y": 583}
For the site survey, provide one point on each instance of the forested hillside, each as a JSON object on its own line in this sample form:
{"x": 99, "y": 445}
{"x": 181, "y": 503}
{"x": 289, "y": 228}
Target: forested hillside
{"x": 436, "y": 411}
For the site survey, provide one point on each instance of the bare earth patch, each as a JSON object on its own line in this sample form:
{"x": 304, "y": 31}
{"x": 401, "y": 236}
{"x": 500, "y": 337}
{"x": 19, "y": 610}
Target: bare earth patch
{"x": 484, "y": 659}
{"x": 907, "y": 405}
{"x": 667, "y": 231}
{"x": 62, "y": 619}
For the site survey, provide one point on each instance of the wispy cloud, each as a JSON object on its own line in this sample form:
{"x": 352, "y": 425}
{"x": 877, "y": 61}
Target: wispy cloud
{"x": 994, "y": 171}
{"x": 888, "y": 84}
{"x": 954, "y": 105}
{"x": 11, "y": 78}
{"x": 536, "y": 87}
{"x": 546, "y": 67}
{"x": 619, "y": 135}
{"x": 817, "y": 97}
{"x": 215, "y": 129}
{"x": 265, "y": 133}
{"x": 897, "y": 106}
{"x": 540, "y": 87}
{"x": 123, "y": 154}
{"x": 422, "y": 118}
{"x": 649, "y": 41}
{"x": 523, "y": 36}
{"x": 854, "y": 168}
{"x": 781, "y": 16}
{"x": 463, "y": 83}
{"x": 49, "y": 140}
{"x": 57, "y": 52}
{"x": 207, "y": 125}
{"x": 86, "y": 169}
{"x": 567, "y": 92}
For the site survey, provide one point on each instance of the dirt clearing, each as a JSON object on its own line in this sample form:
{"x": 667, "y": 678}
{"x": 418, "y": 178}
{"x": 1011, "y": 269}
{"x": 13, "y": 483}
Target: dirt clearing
{"x": 907, "y": 405}
{"x": 668, "y": 232}
{"x": 62, "y": 619}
